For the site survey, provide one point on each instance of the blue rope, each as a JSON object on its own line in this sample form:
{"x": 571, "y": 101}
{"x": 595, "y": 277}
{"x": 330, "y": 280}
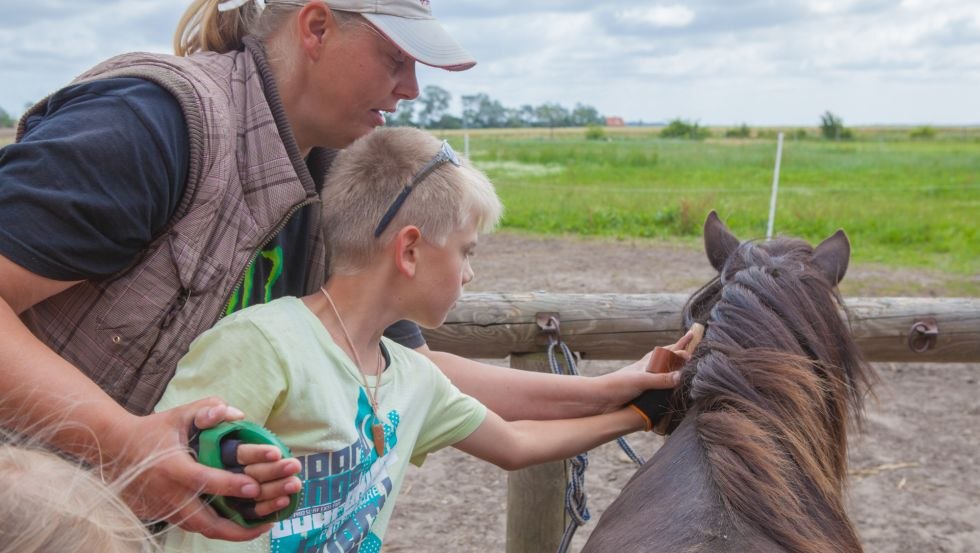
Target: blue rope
{"x": 575, "y": 497}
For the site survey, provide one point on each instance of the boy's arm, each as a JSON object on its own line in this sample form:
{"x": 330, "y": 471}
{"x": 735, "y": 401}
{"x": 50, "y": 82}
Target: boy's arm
{"x": 517, "y": 444}
{"x": 515, "y": 394}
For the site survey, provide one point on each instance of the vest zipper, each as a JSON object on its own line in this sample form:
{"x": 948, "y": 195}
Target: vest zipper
{"x": 269, "y": 237}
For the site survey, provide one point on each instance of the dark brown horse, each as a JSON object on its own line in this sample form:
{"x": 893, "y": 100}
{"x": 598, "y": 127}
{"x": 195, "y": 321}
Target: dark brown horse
{"x": 757, "y": 455}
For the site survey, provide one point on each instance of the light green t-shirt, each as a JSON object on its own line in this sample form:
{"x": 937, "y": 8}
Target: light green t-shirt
{"x": 278, "y": 364}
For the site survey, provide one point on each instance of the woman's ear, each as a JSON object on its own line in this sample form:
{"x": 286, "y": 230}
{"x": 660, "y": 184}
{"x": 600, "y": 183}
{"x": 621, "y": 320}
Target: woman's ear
{"x": 314, "y": 21}
{"x": 406, "y": 250}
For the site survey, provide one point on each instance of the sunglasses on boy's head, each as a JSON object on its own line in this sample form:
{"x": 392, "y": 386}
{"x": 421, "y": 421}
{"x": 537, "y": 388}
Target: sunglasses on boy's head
{"x": 444, "y": 155}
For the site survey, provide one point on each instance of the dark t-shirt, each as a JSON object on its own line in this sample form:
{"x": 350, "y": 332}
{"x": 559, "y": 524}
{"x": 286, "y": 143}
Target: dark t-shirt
{"x": 97, "y": 177}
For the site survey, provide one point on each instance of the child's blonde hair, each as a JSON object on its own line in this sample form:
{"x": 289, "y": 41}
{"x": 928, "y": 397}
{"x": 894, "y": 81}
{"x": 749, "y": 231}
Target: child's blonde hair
{"x": 50, "y": 504}
{"x": 366, "y": 178}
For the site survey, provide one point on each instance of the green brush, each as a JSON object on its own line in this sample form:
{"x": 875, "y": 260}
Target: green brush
{"x": 218, "y": 448}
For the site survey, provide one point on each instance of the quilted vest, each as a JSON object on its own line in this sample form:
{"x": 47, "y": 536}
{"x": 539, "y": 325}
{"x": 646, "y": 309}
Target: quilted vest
{"x": 245, "y": 179}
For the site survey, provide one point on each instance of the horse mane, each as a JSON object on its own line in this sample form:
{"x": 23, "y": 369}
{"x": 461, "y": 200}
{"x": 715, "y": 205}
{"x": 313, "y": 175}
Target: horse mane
{"x": 775, "y": 384}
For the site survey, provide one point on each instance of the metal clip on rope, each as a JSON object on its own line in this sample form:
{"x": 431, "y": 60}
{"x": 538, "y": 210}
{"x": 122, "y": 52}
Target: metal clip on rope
{"x": 575, "y": 497}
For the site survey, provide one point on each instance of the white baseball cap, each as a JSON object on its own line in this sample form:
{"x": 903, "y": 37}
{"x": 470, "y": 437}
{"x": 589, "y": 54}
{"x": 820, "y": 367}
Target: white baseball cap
{"x": 410, "y": 25}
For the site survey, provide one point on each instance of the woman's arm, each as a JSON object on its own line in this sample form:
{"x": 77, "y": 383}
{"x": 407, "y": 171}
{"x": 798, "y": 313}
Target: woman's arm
{"x": 44, "y": 394}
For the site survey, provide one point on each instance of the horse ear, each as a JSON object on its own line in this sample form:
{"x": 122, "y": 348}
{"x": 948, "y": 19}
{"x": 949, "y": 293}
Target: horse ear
{"x": 719, "y": 242}
{"x": 832, "y": 256}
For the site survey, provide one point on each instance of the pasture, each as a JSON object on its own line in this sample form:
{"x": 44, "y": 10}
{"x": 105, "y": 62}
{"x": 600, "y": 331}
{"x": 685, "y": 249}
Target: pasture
{"x": 904, "y": 202}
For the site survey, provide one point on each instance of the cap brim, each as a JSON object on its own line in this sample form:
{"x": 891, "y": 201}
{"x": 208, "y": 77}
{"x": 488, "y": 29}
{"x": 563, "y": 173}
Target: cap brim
{"x": 423, "y": 39}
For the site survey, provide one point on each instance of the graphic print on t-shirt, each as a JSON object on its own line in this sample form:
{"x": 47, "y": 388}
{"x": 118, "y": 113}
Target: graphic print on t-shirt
{"x": 344, "y": 490}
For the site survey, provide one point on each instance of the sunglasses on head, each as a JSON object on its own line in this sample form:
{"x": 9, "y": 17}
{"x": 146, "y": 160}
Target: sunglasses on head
{"x": 444, "y": 155}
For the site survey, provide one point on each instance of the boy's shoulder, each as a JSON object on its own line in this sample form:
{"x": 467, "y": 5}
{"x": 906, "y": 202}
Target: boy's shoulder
{"x": 274, "y": 317}
{"x": 276, "y": 308}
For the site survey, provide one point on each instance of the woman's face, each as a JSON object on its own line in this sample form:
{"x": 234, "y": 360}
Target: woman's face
{"x": 359, "y": 75}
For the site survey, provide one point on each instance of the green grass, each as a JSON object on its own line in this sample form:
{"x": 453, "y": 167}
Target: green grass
{"x": 903, "y": 202}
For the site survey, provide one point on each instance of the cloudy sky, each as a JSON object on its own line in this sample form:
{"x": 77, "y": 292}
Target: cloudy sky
{"x": 721, "y": 62}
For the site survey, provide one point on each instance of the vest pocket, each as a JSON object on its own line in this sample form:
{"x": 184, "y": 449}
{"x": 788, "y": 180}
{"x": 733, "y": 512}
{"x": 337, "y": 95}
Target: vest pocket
{"x": 154, "y": 313}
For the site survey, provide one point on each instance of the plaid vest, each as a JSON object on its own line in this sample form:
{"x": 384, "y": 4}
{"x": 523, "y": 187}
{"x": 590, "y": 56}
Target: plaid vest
{"x": 245, "y": 179}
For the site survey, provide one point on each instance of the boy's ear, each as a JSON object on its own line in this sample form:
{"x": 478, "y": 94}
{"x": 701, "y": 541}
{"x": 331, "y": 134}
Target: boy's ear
{"x": 406, "y": 250}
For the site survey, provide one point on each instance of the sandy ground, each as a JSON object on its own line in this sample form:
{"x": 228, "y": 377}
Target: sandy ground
{"x": 915, "y": 483}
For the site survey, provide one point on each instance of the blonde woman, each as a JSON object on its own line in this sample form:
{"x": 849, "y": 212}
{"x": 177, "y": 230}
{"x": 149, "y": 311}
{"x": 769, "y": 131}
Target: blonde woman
{"x": 156, "y": 194}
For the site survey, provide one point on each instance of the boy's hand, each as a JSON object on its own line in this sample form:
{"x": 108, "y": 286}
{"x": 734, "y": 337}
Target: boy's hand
{"x": 275, "y": 475}
{"x": 636, "y": 378}
{"x": 654, "y": 404}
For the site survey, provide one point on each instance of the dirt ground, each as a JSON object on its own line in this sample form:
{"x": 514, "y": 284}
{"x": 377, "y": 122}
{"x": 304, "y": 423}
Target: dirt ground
{"x": 915, "y": 484}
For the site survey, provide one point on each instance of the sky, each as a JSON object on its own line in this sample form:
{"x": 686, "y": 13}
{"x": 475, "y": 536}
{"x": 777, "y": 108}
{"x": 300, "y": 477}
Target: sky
{"x": 718, "y": 62}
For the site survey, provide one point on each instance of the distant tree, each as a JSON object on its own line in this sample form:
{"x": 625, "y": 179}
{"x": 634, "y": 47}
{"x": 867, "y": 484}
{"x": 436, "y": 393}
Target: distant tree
{"x": 583, "y": 116}
{"x": 741, "y": 131}
{"x": 551, "y": 115}
{"x": 832, "y": 127}
{"x": 526, "y": 115}
{"x": 482, "y": 112}
{"x": 514, "y": 118}
{"x": 681, "y": 128}
{"x": 6, "y": 120}
{"x": 404, "y": 116}
{"x": 595, "y": 132}
{"x": 448, "y": 121}
{"x": 432, "y": 103}
{"x": 923, "y": 133}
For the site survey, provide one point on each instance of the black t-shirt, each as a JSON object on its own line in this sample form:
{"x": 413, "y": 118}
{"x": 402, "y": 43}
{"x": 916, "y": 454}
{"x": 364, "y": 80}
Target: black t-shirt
{"x": 97, "y": 177}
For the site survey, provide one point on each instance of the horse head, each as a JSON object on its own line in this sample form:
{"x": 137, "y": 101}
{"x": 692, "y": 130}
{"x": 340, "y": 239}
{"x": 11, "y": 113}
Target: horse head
{"x": 760, "y": 418}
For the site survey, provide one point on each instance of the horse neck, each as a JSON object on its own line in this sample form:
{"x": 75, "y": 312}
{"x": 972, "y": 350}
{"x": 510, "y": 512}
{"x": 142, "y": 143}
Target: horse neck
{"x": 672, "y": 504}
{"x": 774, "y": 442}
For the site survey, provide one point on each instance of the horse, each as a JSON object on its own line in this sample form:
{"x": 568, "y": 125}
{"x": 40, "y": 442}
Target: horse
{"x": 755, "y": 459}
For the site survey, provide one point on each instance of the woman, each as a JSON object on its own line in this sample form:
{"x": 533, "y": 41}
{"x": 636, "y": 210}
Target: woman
{"x": 158, "y": 193}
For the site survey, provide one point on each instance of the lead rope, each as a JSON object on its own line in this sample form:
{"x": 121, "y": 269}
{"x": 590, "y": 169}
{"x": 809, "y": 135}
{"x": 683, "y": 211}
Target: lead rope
{"x": 575, "y": 497}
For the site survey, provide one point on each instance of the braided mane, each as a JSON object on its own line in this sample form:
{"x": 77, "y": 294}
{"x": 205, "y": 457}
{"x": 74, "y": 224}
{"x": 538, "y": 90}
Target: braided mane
{"x": 774, "y": 384}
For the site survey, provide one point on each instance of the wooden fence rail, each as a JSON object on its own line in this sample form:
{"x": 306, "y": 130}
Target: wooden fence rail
{"x": 620, "y": 326}
{"x": 492, "y": 325}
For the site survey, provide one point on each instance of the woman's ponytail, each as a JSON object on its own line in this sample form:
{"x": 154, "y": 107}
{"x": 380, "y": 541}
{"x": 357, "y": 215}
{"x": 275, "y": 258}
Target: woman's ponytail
{"x": 203, "y": 28}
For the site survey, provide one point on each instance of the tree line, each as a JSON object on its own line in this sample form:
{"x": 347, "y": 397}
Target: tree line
{"x": 431, "y": 111}
{"x": 6, "y": 120}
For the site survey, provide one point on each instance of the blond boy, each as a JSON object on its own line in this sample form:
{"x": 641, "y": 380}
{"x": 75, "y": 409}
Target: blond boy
{"x": 354, "y": 407}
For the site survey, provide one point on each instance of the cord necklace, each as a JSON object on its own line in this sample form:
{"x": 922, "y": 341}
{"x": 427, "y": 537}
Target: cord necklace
{"x": 377, "y": 429}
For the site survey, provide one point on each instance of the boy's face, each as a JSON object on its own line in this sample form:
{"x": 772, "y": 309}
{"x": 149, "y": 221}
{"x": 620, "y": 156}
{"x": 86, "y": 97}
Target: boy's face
{"x": 442, "y": 273}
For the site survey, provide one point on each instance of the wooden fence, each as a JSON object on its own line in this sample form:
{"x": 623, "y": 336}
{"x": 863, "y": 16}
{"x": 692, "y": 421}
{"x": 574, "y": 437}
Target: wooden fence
{"x": 626, "y": 326}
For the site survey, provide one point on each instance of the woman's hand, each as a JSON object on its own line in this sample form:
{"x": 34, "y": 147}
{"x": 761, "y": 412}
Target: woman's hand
{"x": 166, "y": 482}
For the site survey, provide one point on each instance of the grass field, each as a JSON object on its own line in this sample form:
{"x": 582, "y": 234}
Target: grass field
{"x": 903, "y": 202}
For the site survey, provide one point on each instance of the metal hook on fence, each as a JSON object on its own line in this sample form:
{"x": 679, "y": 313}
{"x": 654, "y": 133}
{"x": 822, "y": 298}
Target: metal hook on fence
{"x": 923, "y": 335}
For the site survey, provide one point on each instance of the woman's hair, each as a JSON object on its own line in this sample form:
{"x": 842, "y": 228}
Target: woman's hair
{"x": 203, "y": 28}
{"x": 48, "y": 503}
{"x": 366, "y": 178}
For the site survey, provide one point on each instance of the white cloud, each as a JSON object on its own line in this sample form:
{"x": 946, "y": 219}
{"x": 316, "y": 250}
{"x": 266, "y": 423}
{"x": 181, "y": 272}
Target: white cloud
{"x": 717, "y": 61}
{"x": 659, "y": 16}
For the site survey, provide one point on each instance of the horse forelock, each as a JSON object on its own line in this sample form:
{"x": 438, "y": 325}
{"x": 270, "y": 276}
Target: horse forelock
{"x": 775, "y": 382}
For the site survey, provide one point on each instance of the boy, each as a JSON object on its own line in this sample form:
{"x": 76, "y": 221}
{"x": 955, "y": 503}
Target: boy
{"x": 354, "y": 407}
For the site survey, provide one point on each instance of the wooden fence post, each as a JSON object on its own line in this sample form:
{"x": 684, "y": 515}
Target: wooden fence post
{"x": 536, "y": 515}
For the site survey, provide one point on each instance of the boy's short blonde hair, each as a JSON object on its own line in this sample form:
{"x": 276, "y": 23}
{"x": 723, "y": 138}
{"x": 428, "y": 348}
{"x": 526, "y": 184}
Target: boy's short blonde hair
{"x": 366, "y": 178}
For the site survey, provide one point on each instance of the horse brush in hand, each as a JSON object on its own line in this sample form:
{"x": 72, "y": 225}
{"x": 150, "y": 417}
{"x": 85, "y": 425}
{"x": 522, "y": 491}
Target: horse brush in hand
{"x": 654, "y": 404}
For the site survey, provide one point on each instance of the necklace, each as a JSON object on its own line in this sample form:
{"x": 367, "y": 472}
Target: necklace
{"x": 377, "y": 429}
